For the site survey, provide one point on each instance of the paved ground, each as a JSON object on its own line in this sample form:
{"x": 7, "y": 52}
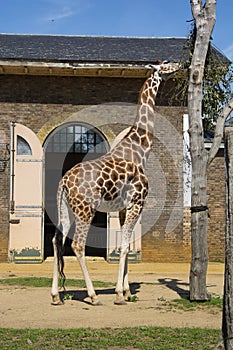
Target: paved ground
{"x": 155, "y": 285}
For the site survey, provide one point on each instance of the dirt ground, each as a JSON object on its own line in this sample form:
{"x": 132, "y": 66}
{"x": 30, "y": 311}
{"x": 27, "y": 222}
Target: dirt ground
{"x": 155, "y": 285}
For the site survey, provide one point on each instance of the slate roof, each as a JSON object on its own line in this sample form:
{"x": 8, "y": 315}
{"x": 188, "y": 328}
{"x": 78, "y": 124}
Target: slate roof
{"x": 93, "y": 49}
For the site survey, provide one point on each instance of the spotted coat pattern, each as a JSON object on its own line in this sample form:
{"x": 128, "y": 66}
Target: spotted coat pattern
{"x": 113, "y": 182}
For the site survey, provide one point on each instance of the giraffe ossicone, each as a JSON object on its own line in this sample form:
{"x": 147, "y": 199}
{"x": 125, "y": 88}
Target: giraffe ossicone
{"x": 114, "y": 182}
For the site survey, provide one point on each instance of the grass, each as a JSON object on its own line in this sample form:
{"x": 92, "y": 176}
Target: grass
{"x": 213, "y": 306}
{"x": 47, "y": 282}
{"x": 147, "y": 338}
{"x": 159, "y": 338}
{"x": 185, "y": 304}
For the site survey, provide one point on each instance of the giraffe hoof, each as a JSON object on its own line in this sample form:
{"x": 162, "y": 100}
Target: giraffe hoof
{"x": 57, "y": 303}
{"x": 95, "y": 301}
{"x": 127, "y": 295}
{"x": 56, "y": 300}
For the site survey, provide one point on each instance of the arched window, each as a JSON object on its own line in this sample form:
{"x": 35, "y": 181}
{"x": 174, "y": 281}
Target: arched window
{"x": 23, "y": 147}
{"x": 76, "y": 139}
{"x": 66, "y": 146}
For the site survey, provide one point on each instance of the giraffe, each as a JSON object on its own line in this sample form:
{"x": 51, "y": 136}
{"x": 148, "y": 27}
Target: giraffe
{"x": 114, "y": 182}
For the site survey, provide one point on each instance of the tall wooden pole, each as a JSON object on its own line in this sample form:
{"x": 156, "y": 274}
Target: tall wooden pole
{"x": 227, "y": 321}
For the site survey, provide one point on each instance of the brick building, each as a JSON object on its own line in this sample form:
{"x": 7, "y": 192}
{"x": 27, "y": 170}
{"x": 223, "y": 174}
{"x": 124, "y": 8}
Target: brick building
{"x": 65, "y": 99}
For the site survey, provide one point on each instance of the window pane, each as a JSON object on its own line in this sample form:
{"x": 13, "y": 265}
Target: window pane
{"x": 63, "y": 137}
{"x": 84, "y": 138}
{"x": 56, "y": 138}
{"x": 56, "y": 147}
{"x": 98, "y": 139}
{"x": 78, "y": 129}
{"x": 23, "y": 148}
{"x": 49, "y": 147}
{"x": 70, "y": 129}
{"x": 98, "y": 148}
{"x": 70, "y": 137}
{"x": 78, "y": 138}
{"x": 91, "y": 137}
{"x": 84, "y": 130}
{"x": 63, "y": 147}
{"x": 70, "y": 147}
{"x": 91, "y": 148}
{"x": 84, "y": 148}
{"x": 78, "y": 148}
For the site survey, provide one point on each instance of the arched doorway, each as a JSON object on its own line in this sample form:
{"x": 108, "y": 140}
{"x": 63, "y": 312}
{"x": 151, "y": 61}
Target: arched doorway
{"x": 67, "y": 145}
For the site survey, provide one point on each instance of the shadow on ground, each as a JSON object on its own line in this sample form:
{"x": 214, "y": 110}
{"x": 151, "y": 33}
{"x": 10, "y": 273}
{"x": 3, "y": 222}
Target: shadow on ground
{"x": 81, "y": 295}
{"x": 175, "y": 285}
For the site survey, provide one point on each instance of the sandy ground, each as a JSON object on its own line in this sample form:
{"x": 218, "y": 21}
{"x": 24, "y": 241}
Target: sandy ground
{"x": 155, "y": 285}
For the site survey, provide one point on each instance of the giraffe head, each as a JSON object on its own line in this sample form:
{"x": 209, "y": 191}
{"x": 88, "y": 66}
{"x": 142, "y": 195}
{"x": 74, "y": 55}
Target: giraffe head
{"x": 164, "y": 67}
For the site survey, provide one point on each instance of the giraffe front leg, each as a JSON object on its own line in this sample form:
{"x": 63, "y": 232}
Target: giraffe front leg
{"x": 79, "y": 252}
{"x": 132, "y": 214}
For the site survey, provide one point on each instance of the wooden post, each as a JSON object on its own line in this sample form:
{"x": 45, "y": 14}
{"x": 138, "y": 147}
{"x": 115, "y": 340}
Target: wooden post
{"x": 227, "y": 320}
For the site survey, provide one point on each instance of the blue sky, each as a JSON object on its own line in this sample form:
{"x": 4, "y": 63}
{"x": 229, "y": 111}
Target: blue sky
{"x": 157, "y": 18}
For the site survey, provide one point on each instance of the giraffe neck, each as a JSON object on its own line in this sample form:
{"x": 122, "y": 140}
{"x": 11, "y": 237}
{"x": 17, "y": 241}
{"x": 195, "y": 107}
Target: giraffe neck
{"x": 144, "y": 122}
{"x": 136, "y": 145}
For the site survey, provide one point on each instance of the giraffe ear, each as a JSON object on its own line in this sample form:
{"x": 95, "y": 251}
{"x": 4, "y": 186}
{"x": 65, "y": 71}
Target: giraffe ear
{"x": 152, "y": 66}
{"x": 158, "y": 62}
{"x": 148, "y": 66}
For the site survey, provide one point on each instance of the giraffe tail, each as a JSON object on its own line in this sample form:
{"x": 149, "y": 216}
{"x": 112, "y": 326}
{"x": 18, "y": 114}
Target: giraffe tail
{"x": 60, "y": 252}
{"x": 59, "y": 239}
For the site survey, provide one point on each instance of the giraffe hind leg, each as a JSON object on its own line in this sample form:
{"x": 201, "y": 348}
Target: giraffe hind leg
{"x": 78, "y": 246}
{"x": 126, "y": 289}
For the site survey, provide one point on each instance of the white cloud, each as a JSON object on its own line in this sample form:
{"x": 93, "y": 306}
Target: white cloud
{"x": 60, "y": 14}
{"x": 229, "y": 52}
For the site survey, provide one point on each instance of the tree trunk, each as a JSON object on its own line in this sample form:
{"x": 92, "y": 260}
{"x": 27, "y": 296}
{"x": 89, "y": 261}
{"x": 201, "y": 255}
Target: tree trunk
{"x": 199, "y": 242}
{"x": 204, "y": 17}
{"x": 227, "y": 321}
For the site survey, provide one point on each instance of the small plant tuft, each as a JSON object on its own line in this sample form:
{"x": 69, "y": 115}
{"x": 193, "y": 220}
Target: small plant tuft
{"x": 133, "y": 298}
{"x": 68, "y": 296}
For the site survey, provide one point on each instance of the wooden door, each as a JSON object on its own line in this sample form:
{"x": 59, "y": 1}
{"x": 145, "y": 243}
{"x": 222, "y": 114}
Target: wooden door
{"x": 26, "y": 199}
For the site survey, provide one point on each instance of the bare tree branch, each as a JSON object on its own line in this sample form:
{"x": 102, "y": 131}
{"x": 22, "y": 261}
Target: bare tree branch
{"x": 196, "y": 6}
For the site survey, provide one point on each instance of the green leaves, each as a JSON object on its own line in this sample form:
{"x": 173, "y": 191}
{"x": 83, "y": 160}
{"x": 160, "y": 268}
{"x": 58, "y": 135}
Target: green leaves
{"x": 217, "y": 81}
{"x": 216, "y": 88}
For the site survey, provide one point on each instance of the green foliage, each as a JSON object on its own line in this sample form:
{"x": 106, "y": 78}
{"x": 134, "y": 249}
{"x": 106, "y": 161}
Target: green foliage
{"x": 133, "y": 298}
{"x": 217, "y": 80}
{"x": 68, "y": 296}
{"x": 216, "y": 89}
{"x": 147, "y": 338}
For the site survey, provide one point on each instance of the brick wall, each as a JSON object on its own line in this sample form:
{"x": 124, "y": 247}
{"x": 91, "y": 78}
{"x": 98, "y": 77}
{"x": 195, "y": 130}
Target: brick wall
{"x": 163, "y": 213}
{"x": 216, "y": 190}
{"x": 42, "y": 103}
